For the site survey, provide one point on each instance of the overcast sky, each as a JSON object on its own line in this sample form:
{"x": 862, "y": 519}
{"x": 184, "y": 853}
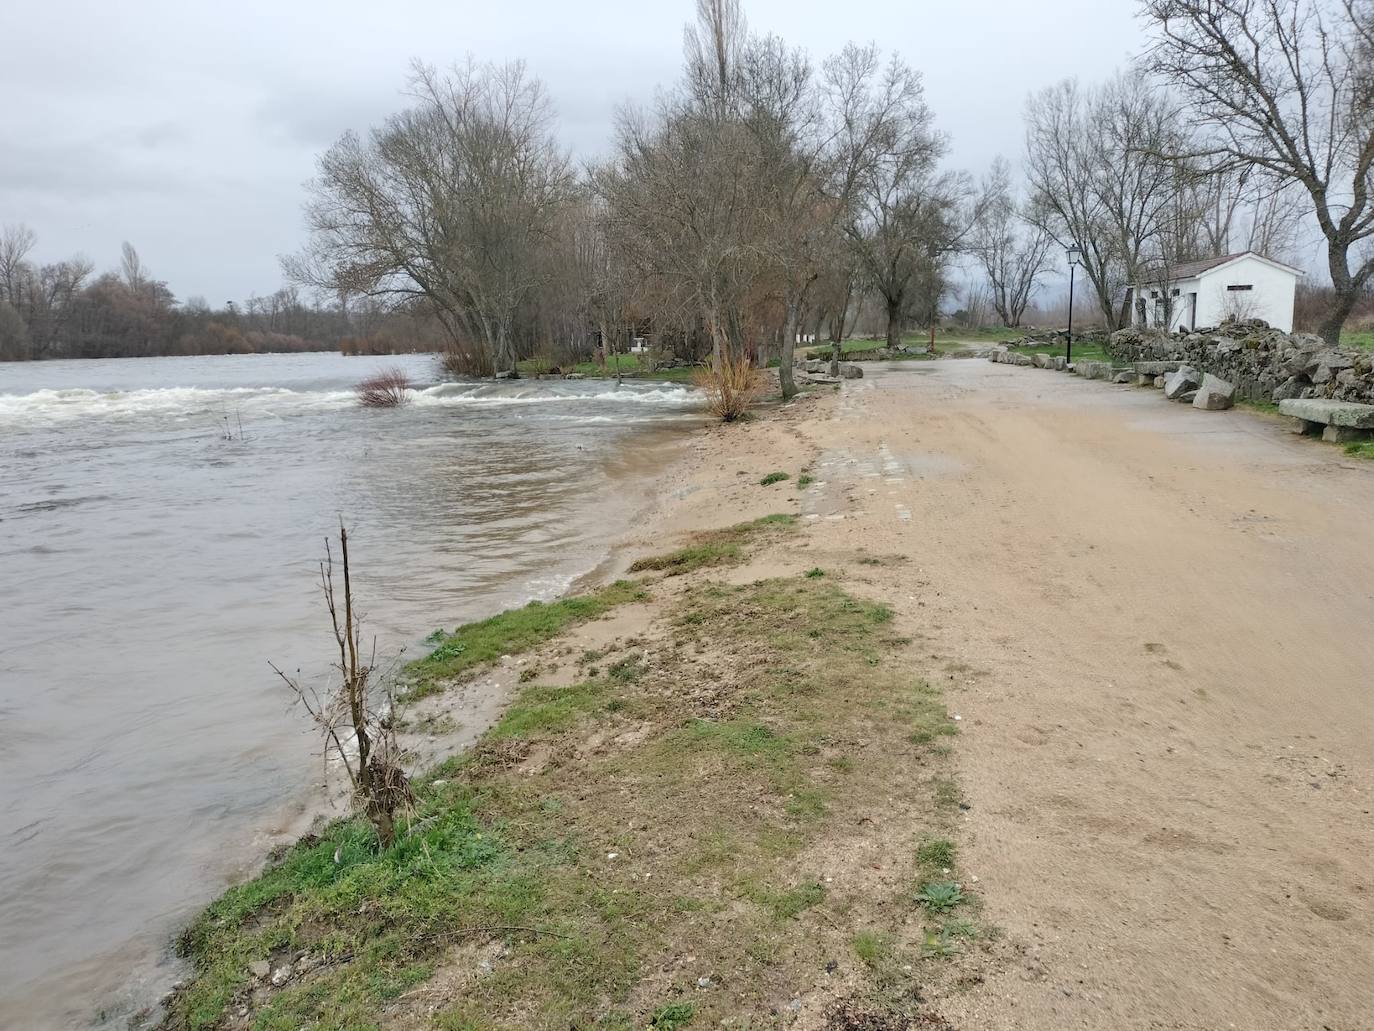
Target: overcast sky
{"x": 188, "y": 128}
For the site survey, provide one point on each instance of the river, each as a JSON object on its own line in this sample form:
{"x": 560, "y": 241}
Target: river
{"x": 161, "y": 520}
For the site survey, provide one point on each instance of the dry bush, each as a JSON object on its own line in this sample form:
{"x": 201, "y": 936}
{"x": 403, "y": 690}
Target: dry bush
{"x": 731, "y": 387}
{"x": 355, "y": 717}
{"x": 387, "y": 389}
{"x": 468, "y": 361}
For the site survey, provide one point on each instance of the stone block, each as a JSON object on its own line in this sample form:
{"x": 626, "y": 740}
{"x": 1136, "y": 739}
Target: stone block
{"x": 1184, "y": 380}
{"x": 1215, "y": 394}
{"x": 1345, "y": 434}
{"x": 1330, "y": 413}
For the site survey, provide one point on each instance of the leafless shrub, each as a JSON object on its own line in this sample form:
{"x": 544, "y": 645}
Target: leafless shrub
{"x": 387, "y": 389}
{"x": 355, "y": 716}
{"x": 467, "y": 362}
{"x": 731, "y": 385}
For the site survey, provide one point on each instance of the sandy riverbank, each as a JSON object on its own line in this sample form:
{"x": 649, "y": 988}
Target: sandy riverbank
{"x": 1163, "y": 772}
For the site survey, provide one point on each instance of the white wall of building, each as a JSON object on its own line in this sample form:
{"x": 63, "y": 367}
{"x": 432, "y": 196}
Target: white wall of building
{"x": 1269, "y": 297}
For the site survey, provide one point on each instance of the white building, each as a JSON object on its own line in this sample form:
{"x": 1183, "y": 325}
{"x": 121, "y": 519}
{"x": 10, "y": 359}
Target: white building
{"x": 1203, "y": 293}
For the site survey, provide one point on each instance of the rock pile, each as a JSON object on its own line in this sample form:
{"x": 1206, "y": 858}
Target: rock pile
{"x": 1265, "y": 364}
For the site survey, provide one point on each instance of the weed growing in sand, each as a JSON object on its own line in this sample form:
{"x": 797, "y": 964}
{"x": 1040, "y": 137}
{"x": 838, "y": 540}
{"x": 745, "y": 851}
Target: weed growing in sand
{"x": 773, "y": 478}
{"x": 673, "y": 1016}
{"x": 937, "y": 896}
{"x": 805, "y": 480}
{"x": 1361, "y": 449}
{"x": 815, "y": 572}
{"x": 874, "y": 948}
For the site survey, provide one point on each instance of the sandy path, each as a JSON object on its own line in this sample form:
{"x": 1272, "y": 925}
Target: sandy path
{"x": 1158, "y": 628}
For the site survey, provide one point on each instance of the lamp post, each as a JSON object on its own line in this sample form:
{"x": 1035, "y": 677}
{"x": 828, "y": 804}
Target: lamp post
{"x": 1074, "y": 255}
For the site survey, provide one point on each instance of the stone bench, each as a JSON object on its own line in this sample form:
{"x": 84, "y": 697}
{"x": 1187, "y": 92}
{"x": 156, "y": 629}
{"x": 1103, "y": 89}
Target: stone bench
{"x": 1337, "y": 421}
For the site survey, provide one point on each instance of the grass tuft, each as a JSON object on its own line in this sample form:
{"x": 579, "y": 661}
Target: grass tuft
{"x": 937, "y": 854}
{"x": 712, "y": 547}
{"x": 509, "y": 633}
{"x": 773, "y": 478}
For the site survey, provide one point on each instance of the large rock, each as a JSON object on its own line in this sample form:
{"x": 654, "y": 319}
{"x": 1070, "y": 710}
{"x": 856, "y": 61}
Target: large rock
{"x": 1156, "y": 368}
{"x": 1180, "y": 382}
{"x": 1290, "y": 388}
{"x": 1215, "y": 394}
{"x": 1093, "y": 370}
{"x": 850, "y": 371}
{"x": 1040, "y": 360}
{"x": 1330, "y": 413}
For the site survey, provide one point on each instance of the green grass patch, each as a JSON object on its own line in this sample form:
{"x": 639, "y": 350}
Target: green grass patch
{"x": 658, "y": 808}
{"x": 509, "y": 633}
{"x": 672, "y": 1016}
{"x": 874, "y": 948}
{"x": 631, "y": 367}
{"x": 1361, "y": 449}
{"x": 805, "y": 480}
{"x": 773, "y": 478}
{"x": 712, "y": 547}
{"x": 936, "y": 854}
{"x": 1362, "y": 338}
{"x": 788, "y": 903}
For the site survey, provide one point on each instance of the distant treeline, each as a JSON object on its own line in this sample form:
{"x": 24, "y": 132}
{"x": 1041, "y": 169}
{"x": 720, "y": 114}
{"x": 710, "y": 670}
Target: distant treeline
{"x": 65, "y": 310}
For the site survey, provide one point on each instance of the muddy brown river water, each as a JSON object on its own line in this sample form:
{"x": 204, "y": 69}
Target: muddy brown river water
{"x": 150, "y": 568}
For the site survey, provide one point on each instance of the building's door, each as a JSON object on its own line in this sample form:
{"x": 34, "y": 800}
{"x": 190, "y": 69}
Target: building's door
{"x": 1192, "y": 312}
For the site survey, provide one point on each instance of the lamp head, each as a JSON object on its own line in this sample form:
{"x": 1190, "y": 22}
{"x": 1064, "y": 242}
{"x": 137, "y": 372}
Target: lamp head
{"x": 1075, "y": 255}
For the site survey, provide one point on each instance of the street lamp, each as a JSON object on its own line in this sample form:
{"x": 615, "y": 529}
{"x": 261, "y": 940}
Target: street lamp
{"x": 1075, "y": 255}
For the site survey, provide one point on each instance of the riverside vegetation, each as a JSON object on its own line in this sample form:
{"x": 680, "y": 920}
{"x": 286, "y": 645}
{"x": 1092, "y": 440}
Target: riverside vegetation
{"x": 741, "y": 807}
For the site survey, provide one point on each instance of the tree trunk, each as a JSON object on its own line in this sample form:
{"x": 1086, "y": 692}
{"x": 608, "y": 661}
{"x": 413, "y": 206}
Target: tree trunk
{"x": 789, "y": 347}
{"x": 1345, "y": 294}
{"x": 894, "y": 324}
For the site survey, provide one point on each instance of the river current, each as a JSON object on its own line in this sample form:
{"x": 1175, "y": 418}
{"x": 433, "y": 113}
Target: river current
{"x": 161, "y": 521}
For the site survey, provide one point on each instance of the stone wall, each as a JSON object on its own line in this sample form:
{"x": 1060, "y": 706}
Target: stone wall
{"x": 1264, "y": 364}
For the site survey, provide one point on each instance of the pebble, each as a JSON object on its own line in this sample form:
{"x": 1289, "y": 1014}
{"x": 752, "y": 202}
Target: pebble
{"x": 260, "y": 969}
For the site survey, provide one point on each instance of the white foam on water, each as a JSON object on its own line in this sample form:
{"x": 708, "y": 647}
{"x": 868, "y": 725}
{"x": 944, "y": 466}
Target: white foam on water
{"x": 48, "y": 407}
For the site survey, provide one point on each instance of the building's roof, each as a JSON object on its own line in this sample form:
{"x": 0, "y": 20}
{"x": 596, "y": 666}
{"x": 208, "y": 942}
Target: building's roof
{"x": 1193, "y": 269}
{"x": 1189, "y": 269}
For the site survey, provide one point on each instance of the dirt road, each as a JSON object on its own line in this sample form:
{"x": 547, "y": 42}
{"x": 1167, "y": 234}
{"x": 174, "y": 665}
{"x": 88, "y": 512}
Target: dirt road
{"x": 1157, "y": 628}
{"x": 1160, "y": 631}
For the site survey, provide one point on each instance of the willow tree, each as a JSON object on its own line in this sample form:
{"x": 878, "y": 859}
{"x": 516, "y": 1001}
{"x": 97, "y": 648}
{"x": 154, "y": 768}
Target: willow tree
{"x": 447, "y": 203}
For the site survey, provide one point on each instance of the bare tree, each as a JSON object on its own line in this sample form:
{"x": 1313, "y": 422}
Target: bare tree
{"x": 1286, "y": 89}
{"x": 448, "y": 203}
{"x": 713, "y": 46}
{"x": 1100, "y": 179}
{"x": 355, "y": 718}
{"x": 1013, "y": 253}
{"x": 16, "y": 241}
{"x": 131, "y": 267}
{"x": 900, "y": 210}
